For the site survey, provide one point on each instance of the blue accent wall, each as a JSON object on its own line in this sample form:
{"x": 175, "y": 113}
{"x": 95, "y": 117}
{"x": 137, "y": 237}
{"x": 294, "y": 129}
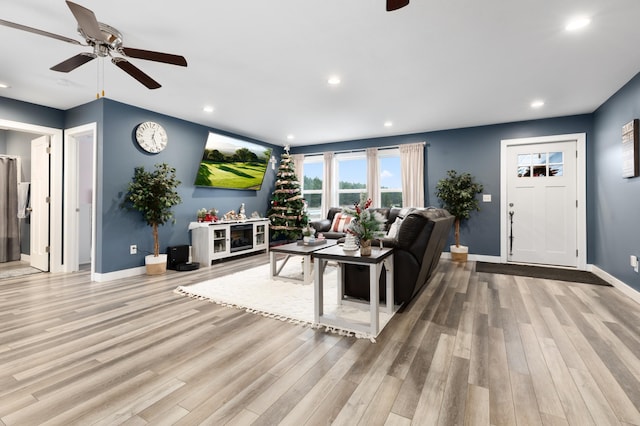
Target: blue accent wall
{"x": 121, "y": 154}
{"x": 24, "y": 112}
{"x": 475, "y": 150}
{"x": 614, "y": 231}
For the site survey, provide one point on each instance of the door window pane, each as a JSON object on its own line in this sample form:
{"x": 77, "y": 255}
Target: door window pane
{"x": 540, "y": 164}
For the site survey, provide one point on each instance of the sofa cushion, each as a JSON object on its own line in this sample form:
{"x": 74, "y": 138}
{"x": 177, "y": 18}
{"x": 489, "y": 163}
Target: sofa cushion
{"x": 340, "y": 222}
{"x": 395, "y": 226}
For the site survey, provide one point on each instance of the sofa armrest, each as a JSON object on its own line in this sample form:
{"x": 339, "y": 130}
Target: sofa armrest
{"x": 322, "y": 225}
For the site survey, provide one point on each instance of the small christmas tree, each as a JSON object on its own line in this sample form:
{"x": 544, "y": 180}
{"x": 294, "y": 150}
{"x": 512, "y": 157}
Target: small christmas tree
{"x": 287, "y": 213}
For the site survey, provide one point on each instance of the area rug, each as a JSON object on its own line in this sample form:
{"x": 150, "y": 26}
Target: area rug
{"x": 541, "y": 272}
{"x": 254, "y": 292}
{"x": 18, "y": 272}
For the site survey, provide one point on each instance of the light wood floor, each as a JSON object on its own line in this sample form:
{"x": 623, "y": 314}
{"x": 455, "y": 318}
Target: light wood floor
{"x": 473, "y": 348}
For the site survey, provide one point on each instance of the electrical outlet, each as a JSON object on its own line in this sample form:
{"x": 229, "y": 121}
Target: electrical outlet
{"x": 634, "y": 262}
{"x": 133, "y": 249}
{"x": 486, "y": 198}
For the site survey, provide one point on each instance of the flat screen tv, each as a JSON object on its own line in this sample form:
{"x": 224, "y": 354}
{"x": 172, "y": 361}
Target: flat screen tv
{"x": 232, "y": 163}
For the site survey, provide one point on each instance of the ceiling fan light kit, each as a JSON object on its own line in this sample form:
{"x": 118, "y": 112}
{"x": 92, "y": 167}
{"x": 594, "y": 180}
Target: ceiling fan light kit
{"x": 105, "y": 41}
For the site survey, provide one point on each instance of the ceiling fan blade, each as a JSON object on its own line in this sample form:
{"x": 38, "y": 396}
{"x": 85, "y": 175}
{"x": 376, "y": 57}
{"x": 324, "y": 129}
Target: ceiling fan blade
{"x": 136, "y": 73}
{"x": 396, "y": 4}
{"x": 87, "y": 21}
{"x": 39, "y": 32}
{"x": 74, "y": 62}
{"x": 149, "y": 55}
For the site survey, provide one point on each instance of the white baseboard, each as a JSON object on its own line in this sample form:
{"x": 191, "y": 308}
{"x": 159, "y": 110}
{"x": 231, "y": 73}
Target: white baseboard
{"x": 623, "y": 287}
{"x": 25, "y": 257}
{"x": 123, "y": 273}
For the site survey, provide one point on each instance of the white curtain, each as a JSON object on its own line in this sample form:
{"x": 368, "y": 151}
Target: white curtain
{"x": 298, "y": 166}
{"x": 373, "y": 176}
{"x": 9, "y": 224}
{"x": 327, "y": 183}
{"x": 412, "y": 170}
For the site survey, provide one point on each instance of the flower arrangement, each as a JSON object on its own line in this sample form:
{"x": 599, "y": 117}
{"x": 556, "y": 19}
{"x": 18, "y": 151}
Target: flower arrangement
{"x": 308, "y": 231}
{"x": 366, "y": 224}
{"x": 205, "y": 215}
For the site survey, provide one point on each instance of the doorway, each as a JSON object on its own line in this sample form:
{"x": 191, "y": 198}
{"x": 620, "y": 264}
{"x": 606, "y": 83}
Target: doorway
{"x": 53, "y": 251}
{"x": 543, "y": 212}
{"x": 80, "y": 198}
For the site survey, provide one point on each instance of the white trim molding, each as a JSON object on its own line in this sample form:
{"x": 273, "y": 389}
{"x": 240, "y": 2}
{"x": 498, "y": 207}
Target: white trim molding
{"x": 619, "y": 285}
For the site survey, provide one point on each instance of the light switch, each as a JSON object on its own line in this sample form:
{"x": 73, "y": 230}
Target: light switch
{"x": 486, "y": 198}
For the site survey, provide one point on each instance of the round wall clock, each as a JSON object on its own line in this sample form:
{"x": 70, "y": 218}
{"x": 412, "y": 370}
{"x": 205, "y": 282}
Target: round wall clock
{"x": 151, "y": 137}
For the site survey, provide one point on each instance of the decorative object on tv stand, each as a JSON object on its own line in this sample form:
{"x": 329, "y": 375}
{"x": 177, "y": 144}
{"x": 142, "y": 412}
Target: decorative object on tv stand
{"x": 232, "y": 163}
{"x": 153, "y": 194}
{"x": 366, "y": 225}
{"x": 457, "y": 194}
{"x": 287, "y": 212}
{"x": 205, "y": 215}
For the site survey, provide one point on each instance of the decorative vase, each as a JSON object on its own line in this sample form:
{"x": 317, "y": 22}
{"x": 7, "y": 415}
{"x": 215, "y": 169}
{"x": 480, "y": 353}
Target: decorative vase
{"x": 350, "y": 244}
{"x": 156, "y": 265}
{"x": 365, "y": 247}
{"x": 459, "y": 254}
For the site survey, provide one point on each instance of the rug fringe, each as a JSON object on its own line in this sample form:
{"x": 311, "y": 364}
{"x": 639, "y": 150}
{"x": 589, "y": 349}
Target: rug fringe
{"x": 312, "y": 325}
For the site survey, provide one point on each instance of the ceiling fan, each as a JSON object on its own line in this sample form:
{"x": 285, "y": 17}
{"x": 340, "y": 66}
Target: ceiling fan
{"x": 396, "y": 4}
{"x": 105, "y": 41}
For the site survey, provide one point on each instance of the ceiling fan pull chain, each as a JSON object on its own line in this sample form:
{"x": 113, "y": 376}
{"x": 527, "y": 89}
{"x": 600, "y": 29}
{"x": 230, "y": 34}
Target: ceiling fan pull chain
{"x": 100, "y": 78}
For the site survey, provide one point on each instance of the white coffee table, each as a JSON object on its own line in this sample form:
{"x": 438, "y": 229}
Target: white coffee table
{"x": 295, "y": 249}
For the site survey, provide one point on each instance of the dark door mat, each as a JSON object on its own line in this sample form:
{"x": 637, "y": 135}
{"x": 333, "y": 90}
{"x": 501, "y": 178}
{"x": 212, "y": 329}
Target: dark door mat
{"x": 541, "y": 272}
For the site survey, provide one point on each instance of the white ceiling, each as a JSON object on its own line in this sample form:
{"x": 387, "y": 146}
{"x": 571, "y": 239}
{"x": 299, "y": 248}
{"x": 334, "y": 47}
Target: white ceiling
{"x": 264, "y": 64}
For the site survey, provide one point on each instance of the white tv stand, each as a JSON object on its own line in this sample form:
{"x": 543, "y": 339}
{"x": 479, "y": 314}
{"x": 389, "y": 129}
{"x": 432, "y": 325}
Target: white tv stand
{"x": 217, "y": 240}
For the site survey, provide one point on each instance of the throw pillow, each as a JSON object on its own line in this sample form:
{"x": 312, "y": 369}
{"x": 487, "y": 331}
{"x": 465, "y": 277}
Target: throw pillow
{"x": 393, "y": 229}
{"x": 340, "y": 222}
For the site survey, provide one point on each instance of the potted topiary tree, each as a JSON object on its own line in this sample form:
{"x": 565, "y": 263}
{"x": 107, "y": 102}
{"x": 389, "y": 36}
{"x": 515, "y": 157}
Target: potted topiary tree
{"x": 457, "y": 194}
{"x": 153, "y": 193}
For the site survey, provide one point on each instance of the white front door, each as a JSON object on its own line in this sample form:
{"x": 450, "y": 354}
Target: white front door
{"x": 542, "y": 203}
{"x": 39, "y": 241}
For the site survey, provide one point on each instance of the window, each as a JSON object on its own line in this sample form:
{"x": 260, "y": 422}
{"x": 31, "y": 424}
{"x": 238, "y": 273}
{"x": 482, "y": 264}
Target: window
{"x": 541, "y": 164}
{"x": 390, "y": 179}
{"x": 352, "y": 177}
{"x": 312, "y": 185}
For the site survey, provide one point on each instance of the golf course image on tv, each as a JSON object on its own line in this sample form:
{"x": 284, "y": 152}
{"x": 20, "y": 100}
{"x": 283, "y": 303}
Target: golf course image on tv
{"x": 232, "y": 163}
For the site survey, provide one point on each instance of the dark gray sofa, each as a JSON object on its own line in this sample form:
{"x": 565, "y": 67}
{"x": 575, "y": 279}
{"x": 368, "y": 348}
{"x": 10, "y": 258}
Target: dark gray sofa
{"x": 324, "y": 225}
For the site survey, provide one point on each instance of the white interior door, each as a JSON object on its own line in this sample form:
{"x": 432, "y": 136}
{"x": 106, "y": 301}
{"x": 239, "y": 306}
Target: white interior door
{"x": 39, "y": 241}
{"x": 542, "y": 203}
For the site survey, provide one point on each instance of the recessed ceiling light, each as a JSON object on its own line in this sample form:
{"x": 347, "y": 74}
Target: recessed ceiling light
{"x": 335, "y": 80}
{"x": 208, "y": 108}
{"x": 577, "y": 23}
{"x": 290, "y": 137}
{"x": 388, "y": 124}
{"x": 4, "y": 86}
{"x": 537, "y": 104}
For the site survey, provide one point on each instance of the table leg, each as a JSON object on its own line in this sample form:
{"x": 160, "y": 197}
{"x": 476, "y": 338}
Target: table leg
{"x": 340, "y": 283}
{"x": 306, "y": 269}
{"x": 388, "y": 263}
{"x": 374, "y": 296}
{"x": 318, "y": 293}
{"x": 272, "y": 261}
